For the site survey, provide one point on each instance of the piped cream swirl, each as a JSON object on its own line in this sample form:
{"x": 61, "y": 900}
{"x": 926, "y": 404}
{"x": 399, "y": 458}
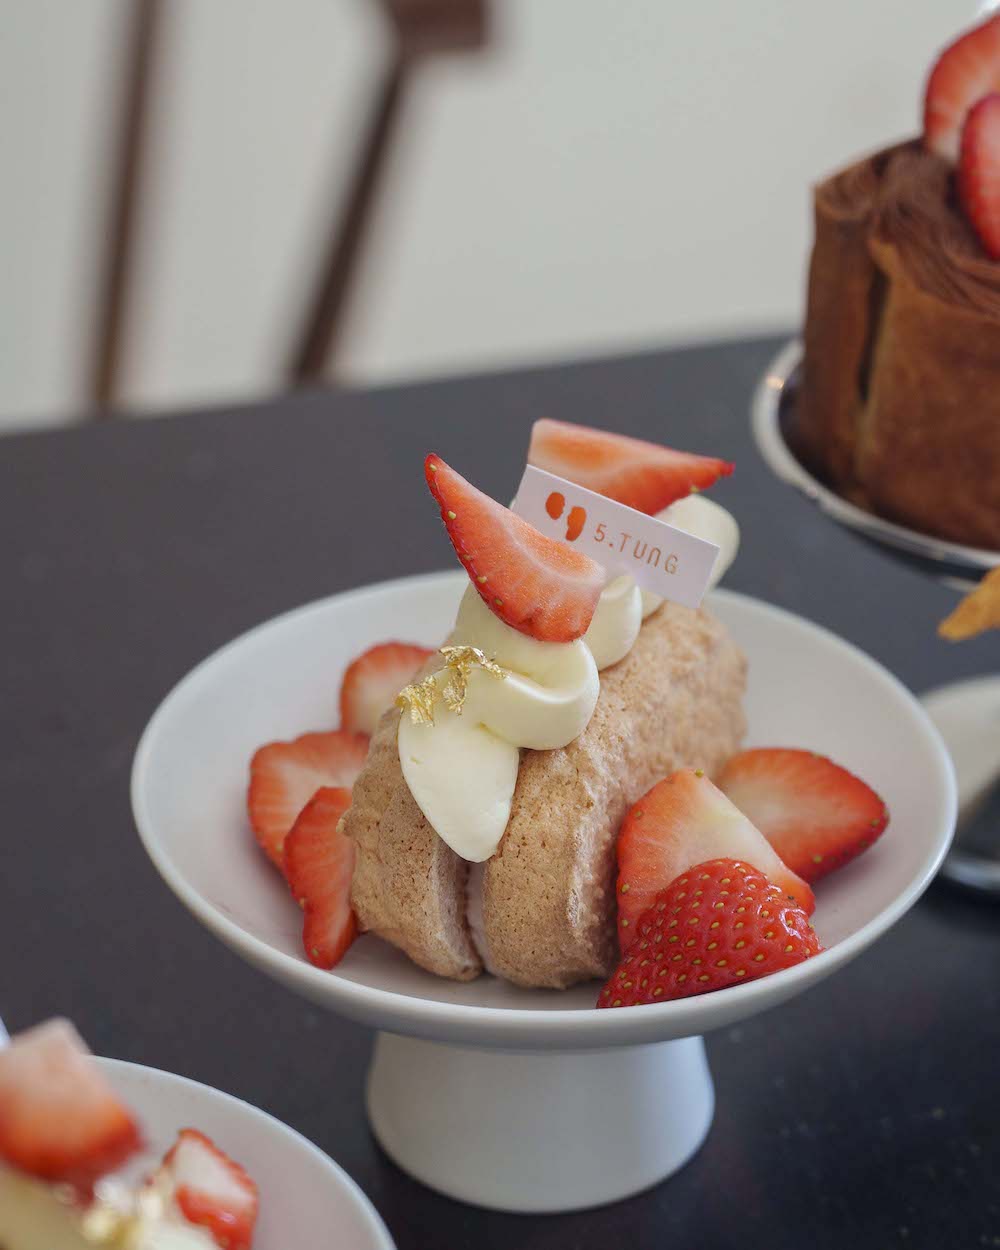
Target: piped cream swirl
{"x": 462, "y": 769}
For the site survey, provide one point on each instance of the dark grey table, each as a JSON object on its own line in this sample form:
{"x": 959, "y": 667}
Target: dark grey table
{"x": 863, "y": 1114}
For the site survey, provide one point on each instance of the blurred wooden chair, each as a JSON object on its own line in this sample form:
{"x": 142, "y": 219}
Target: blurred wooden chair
{"x": 418, "y": 28}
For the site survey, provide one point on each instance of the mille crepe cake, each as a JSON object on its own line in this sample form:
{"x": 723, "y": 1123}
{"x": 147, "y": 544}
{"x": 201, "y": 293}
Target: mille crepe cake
{"x": 505, "y": 860}
{"x": 899, "y": 406}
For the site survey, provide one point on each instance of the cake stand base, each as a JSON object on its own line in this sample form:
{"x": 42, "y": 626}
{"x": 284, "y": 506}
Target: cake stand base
{"x": 542, "y": 1130}
{"x": 967, "y": 715}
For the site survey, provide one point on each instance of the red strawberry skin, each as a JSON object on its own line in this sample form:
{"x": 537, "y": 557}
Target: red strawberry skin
{"x": 685, "y": 820}
{"x": 815, "y": 814}
{"x": 967, "y": 70}
{"x": 319, "y": 864}
{"x": 285, "y": 775}
{"x": 979, "y": 172}
{"x": 719, "y": 924}
{"x": 373, "y": 680}
{"x": 537, "y": 585}
{"x": 638, "y": 474}
{"x": 212, "y": 1190}
{"x": 60, "y": 1121}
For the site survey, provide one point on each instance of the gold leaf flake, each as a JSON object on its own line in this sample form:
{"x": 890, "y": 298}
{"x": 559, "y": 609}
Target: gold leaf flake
{"x": 459, "y": 662}
{"x": 419, "y": 701}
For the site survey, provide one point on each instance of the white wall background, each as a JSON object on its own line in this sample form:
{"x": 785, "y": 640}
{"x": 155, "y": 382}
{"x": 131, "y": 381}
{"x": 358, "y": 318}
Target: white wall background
{"x": 610, "y": 175}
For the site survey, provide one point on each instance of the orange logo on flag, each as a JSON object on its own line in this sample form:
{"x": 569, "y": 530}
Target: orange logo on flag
{"x": 555, "y": 505}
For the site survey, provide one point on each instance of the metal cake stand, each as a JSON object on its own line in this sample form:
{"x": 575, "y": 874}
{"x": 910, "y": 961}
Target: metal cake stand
{"x": 967, "y": 713}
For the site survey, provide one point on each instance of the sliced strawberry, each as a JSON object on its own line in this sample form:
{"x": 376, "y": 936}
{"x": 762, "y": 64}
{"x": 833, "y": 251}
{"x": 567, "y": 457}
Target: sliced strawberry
{"x": 319, "y": 862}
{"x": 60, "y": 1120}
{"x": 718, "y": 924}
{"x": 285, "y": 775}
{"x": 979, "y": 172}
{"x": 815, "y": 814}
{"x": 538, "y": 585}
{"x": 685, "y": 820}
{"x": 640, "y": 475}
{"x": 373, "y": 680}
{"x": 966, "y": 70}
{"x": 211, "y": 1190}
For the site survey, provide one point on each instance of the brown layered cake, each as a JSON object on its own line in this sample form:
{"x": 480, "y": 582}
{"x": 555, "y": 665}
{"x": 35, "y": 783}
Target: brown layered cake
{"x": 899, "y": 407}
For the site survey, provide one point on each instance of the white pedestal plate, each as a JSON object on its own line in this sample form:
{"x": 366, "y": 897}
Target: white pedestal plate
{"x": 515, "y": 1099}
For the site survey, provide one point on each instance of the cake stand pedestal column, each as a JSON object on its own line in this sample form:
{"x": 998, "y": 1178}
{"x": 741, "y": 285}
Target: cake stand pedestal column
{"x": 534, "y": 1131}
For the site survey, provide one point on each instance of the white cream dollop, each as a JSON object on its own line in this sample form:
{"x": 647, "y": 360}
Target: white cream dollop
{"x": 550, "y": 690}
{"x": 462, "y": 777}
{"x": 616, "y": 623}
{"x": 705, "y": 519}
{"x": 462, "y": 769}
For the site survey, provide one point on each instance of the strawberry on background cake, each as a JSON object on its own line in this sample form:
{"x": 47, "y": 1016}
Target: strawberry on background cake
{"x": 899, "y": 406}
{"x": 64, "y": 1133}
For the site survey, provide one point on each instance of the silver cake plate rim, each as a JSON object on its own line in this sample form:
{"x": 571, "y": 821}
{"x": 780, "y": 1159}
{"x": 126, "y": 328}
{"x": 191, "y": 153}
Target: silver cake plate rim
{"x": 954, "y": 563}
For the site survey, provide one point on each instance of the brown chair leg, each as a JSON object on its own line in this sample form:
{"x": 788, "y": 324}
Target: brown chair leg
{"x": 314, "y": 350}
{"x": 123, "y": 202}
{"x": 420, "y": 27}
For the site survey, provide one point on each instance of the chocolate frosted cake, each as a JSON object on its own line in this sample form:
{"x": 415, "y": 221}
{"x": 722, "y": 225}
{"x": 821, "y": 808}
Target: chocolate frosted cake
{"x": 899, "y": 407}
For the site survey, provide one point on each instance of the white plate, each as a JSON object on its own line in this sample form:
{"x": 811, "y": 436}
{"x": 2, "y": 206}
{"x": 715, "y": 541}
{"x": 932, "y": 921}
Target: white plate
{"x": 807, "y": 688}
{"x": 306, "y": 1200}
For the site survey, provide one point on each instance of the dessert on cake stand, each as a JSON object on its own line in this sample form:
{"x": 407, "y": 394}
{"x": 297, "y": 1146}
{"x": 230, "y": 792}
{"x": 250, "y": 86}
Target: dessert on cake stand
{"x": 967, "y": 713}
{"x": 514, "y": 1099}
{"x": 300, "y": 1189}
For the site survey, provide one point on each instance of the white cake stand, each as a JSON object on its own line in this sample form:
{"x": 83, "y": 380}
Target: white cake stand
{"x": 514, "y": 1099}
{"x": 967, "y": 713}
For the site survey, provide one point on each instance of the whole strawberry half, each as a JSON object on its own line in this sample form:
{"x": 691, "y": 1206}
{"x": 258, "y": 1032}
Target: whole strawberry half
{"x": 682, "y": 821}
{"x": 638, "y": 474}
{"x": 719, "y": 924}
{"x": 212, "y": 1190}
{"x": 815, "y": 814}
{"x": 319, "y": 863}
{"x": 537, "y": 585}
{"x": 373, "y": 680}
{"x": 60, "y": 1120}
{"x": 285, "y": 775}
{"x": 979, "y": 172}
{"x": 965, "y": 72}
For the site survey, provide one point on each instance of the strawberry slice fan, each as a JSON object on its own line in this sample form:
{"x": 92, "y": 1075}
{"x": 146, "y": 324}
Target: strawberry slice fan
{"x": 532, "y": 1099}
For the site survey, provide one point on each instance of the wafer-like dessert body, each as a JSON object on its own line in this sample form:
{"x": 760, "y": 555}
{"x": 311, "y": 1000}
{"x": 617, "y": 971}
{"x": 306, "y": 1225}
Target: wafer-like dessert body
{"x": 547, "y": 895}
